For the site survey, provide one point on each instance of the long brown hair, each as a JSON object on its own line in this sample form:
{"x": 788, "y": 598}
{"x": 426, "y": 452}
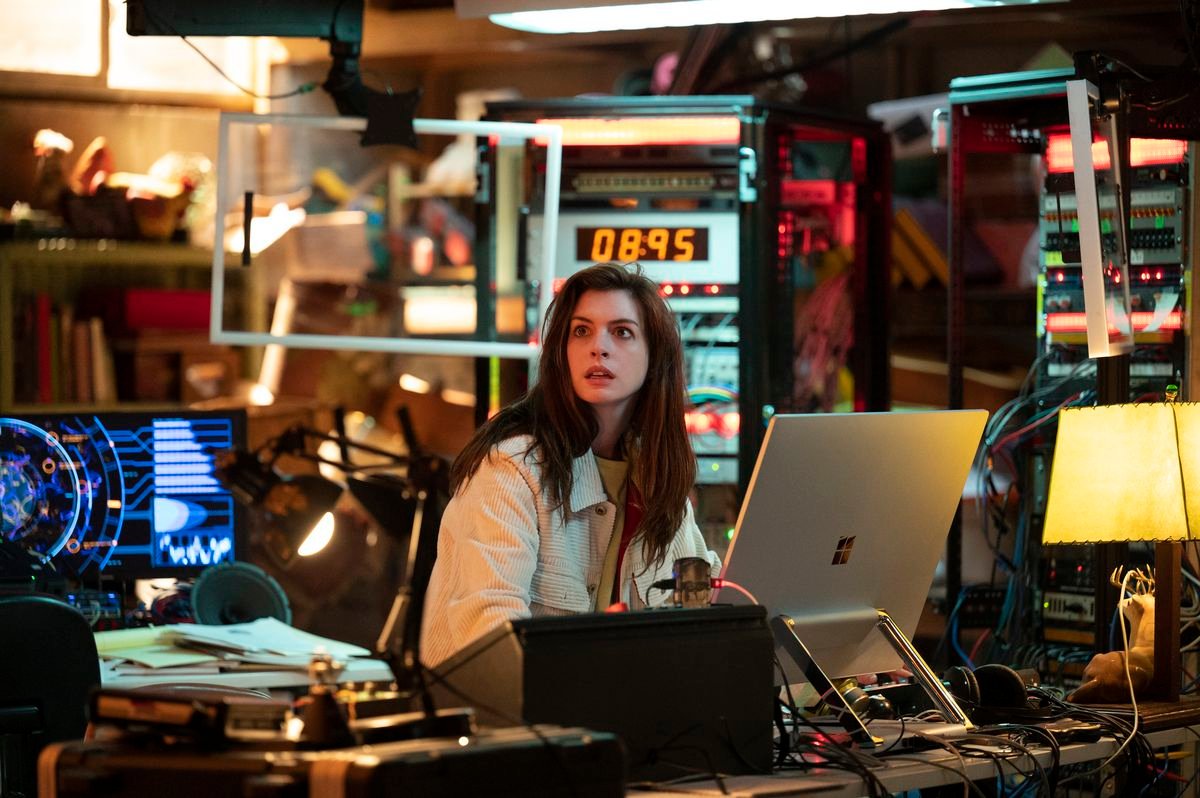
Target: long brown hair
{"x": 563, "y": 426}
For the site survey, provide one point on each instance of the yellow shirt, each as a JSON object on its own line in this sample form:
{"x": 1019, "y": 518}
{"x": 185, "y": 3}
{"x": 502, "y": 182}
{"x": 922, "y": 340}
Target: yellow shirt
{"x": 614, "y": 474}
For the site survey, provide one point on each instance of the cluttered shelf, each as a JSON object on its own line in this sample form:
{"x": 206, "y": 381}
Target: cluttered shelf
{"x": 98, "y": 321}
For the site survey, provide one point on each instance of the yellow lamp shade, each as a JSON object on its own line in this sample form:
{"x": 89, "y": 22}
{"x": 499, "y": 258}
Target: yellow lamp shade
{"x": 1125, "y": 472}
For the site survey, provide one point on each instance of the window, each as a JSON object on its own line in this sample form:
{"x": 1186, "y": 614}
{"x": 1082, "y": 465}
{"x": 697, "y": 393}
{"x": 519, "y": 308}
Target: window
{"x": 167, "y": 63}
{"x": 60, "y": 43}
{"x": 53, "y": 37}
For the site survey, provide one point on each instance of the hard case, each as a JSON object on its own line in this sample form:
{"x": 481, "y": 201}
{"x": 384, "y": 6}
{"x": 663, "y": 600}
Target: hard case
{"x": 518, "y": 761}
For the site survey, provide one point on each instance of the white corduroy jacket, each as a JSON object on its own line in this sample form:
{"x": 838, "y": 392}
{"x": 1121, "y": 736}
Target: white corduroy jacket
{"x": 504, "y": 552}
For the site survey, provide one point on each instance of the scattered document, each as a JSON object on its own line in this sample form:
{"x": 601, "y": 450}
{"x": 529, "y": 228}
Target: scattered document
{"x": 148, "y": 647}
{"x": 265, "y": 636}
{"x": 266, "y": 642}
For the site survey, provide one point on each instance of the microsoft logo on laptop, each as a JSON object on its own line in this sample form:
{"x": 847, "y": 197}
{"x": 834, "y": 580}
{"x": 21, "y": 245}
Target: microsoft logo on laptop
{"x": 841, "y": 555}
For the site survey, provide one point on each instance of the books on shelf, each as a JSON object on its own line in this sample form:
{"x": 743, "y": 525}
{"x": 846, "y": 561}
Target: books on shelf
{"x": 62, "y": 356}
{"x": 104, "y": 380}
{"x": 81, "y": 368}
{"x": 99, "y": 348}
{"x": 44, "y": 346}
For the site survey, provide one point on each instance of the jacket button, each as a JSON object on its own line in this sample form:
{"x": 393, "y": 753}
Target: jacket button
{"x": 601, "y": 510}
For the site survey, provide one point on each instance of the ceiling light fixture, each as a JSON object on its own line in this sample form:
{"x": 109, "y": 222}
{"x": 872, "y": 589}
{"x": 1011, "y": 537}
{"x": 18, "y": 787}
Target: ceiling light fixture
{"x": 589, "y": 16}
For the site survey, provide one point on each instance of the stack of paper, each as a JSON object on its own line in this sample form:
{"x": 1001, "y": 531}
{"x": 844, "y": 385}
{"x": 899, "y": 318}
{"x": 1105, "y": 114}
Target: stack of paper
{"x": 266, "y": 642}
{"x": 148, "y": 647}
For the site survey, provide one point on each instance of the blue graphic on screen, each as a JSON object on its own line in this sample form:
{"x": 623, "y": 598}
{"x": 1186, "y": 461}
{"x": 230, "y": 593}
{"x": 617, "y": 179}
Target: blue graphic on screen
{"x": 126, "y": 493}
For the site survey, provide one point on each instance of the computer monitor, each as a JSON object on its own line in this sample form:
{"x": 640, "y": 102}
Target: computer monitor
{"x": 131, "y": 495}
{"x": 847, "y": 514}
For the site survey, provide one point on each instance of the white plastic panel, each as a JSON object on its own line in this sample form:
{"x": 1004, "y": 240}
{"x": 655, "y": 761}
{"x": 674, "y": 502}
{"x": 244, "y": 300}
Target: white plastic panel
{"x": 1104, "y": 266}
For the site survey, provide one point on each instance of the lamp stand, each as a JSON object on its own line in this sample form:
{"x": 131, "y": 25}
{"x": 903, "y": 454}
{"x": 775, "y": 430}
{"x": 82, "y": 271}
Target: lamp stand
{"x": 1168, "y": 557}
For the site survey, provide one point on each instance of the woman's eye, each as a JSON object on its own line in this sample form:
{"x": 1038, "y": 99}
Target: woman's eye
{"x": 623, "y": 332}
{"x": 579, "y": 331}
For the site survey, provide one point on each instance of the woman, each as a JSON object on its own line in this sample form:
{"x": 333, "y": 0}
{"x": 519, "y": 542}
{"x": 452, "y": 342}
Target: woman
{"x": 575, "y": 497}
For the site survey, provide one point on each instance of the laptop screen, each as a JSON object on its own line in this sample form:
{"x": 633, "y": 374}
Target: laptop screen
{"x": 846, "y": 514}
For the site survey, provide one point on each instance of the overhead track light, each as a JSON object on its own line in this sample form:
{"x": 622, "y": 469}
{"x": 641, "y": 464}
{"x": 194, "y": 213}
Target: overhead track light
{"x": 589, "y": 16}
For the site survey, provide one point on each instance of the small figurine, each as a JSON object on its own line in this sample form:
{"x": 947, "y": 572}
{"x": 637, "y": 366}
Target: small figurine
{"x": 1104, "y": 680}
{"x": 50, "y": 176}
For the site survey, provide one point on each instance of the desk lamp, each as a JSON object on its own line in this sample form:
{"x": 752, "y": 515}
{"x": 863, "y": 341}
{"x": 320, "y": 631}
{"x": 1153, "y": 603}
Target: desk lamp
{"x": 296, "y": 509}
{"x": 1131, "y": 472}
{"x": 407, "y": 507}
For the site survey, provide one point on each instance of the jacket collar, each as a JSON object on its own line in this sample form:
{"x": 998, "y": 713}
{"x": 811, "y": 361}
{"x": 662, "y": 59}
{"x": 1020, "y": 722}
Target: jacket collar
{"x": 587, "y": 488}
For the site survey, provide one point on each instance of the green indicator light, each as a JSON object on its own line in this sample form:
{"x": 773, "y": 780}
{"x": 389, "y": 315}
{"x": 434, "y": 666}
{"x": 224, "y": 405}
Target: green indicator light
{"x": 1054, "y": 259}
{"x": 1106, "y": 225}
{"x": 715, "y": 466}
{"x": 1160, "y": 222}
{"x": 1074, "y": 225}
{"x": 361, "y": 309}
{"x": 1045, "y": 605}
{"x": 729, "y": 533}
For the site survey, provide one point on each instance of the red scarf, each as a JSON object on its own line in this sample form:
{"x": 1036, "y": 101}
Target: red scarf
{"x": 633, "y": 519}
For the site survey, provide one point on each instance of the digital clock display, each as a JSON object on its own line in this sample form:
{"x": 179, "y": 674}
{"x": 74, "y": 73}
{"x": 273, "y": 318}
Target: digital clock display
{"x": 625, "y": 244}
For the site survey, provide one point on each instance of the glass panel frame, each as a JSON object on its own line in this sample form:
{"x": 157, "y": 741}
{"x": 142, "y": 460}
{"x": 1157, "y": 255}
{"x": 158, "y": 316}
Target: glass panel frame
{"x": 548, "y": 135}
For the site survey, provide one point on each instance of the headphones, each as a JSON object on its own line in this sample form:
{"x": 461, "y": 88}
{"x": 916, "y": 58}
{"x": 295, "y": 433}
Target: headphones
{"x": 993, "y": 693}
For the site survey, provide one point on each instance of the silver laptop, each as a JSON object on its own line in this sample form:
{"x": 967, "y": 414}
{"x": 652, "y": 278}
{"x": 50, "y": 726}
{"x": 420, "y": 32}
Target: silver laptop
{"x": 847, "y": 513}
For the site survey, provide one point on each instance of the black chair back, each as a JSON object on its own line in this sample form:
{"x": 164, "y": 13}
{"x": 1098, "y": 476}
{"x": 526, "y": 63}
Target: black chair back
{"x": 48, "y": 668}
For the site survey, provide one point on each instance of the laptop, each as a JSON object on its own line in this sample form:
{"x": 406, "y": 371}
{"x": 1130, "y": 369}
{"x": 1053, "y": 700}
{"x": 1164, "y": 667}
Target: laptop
{"x": 846, "y": 514}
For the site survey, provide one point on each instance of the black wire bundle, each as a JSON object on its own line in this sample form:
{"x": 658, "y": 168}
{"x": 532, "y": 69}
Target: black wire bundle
{"x": 1132, "y": 769}
{"x": 804, "y": 745}
{"x": 1038, "y": 734}
{"x": 1136, "y": 762}
{"x": 816, "y": 748}
{"x": 983, "y": 745}
{"x": 1005, "y": 454}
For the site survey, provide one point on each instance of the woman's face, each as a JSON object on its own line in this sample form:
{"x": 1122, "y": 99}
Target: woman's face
{"x": 606, "y": 350}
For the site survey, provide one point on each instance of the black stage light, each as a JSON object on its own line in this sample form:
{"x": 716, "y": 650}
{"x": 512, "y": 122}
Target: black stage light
{"x": 296, "y": 509}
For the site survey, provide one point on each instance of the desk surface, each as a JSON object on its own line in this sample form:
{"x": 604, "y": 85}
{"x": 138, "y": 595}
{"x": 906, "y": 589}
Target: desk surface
{"x": 918, "y": 770}
{"x": 357, "y": 670}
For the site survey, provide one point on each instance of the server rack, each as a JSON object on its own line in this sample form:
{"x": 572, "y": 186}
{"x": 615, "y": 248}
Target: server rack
{"x": 746, "y": 214}
{"x": 1071, "y": 603}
